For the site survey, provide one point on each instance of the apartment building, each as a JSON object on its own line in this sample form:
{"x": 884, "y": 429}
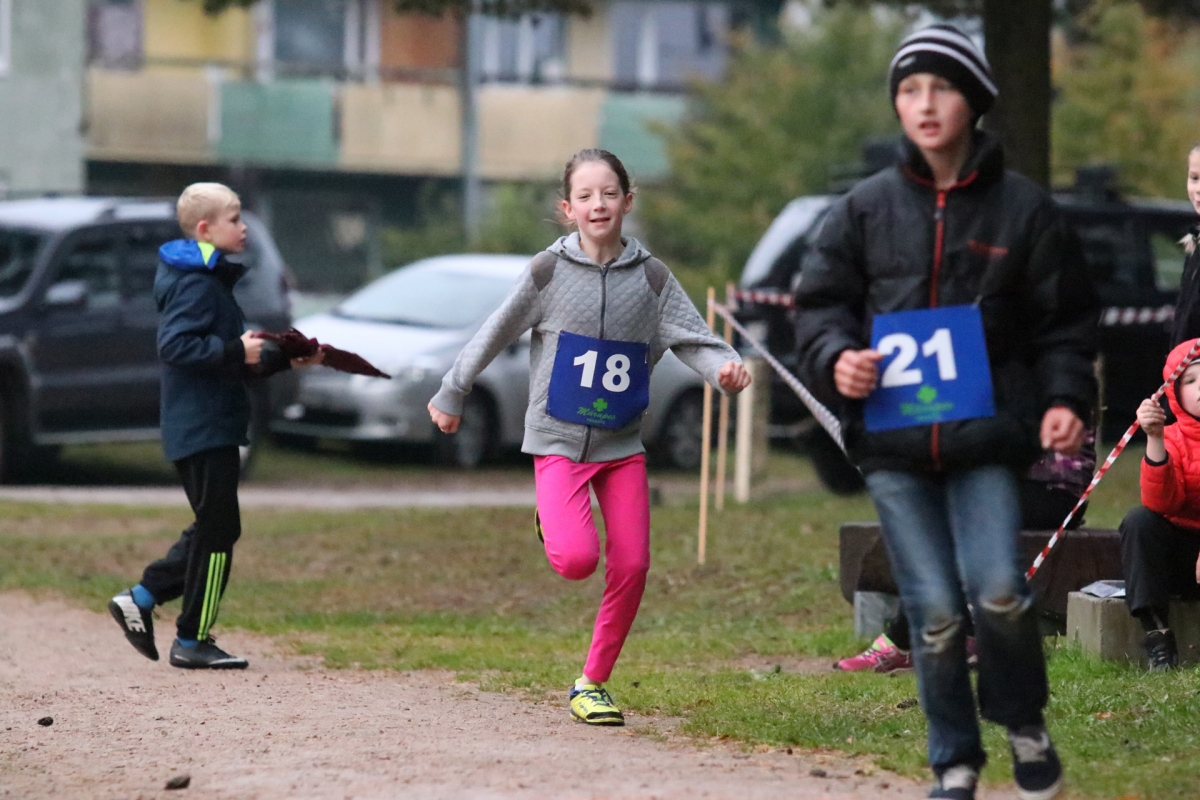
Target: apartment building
{"x": 330, "y": 115}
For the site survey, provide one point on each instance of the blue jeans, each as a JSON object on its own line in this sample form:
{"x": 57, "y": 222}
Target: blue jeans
{"x": 952, "y": 541}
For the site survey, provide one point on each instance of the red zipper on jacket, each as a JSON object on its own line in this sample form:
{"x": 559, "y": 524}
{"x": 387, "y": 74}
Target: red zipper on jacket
{"x": 939, "y": 244}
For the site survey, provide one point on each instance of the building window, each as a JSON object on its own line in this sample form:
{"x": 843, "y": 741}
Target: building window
{"x": 114, "y": 33}
{"x": 324, "y": 37}
{"x": 5, "y": 36}
{"x": 529, "y": 49}
{"x": 663, "y": 45}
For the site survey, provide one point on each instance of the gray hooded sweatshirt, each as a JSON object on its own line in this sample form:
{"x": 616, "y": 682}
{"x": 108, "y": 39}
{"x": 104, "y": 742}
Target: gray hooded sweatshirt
{"x": 632, "y": 299}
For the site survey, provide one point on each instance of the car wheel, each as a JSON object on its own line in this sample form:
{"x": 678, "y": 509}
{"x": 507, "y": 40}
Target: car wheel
{"x": 680, "y": 442}
{"x": 475, "y": 441}
{"x": 832, "y": 466}
{"x": 7, "y": 455}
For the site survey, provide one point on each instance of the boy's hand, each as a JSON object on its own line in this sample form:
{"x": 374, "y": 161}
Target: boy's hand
{"x": 253, "y": 346}
{"x": 733, "y": 377}
{"x": 856, "y": 373}
{"x": 1062, "y": 431}
{"x": 447, "y": 423}
{"x": 1152, "y": 418}
{"x": 310, "y": 361}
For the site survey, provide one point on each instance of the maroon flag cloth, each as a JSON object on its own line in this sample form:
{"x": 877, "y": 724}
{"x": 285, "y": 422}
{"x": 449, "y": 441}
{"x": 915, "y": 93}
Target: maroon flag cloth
{"x": 295, "y": 344}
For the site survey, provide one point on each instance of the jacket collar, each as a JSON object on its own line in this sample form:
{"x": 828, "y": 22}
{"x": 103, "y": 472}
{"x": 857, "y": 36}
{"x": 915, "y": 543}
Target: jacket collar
{"x": 568, "y": 247}
{"x": 984, "y": 165}
{"x": 188, "y": 255}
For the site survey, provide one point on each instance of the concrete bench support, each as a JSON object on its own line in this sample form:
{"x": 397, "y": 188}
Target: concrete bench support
{"x": 1104, "y": 627}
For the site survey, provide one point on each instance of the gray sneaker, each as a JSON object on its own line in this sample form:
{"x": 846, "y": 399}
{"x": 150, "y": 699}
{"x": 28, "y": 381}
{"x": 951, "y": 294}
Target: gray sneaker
{"x": 956, "y": 783}
{"x": 205, "y": 655}
{"x": 1036, "y": 768}
{"x": 136, "y": 622}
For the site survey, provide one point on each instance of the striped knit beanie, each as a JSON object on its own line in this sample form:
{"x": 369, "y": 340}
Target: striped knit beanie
{"x": 947, "y": 52}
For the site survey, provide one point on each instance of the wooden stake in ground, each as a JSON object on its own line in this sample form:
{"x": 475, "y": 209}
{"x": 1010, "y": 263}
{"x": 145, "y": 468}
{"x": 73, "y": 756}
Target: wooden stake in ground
{"x": 723, "y": 414}
{"x": 705, "y": 442}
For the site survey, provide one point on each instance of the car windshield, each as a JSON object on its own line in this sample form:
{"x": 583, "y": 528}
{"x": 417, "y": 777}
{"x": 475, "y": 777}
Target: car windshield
{"x": 431, "y": 298}
{"x": 18, "y": 253}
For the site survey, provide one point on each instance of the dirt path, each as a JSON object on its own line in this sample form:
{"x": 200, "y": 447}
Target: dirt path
{"x": 287, "y": 728}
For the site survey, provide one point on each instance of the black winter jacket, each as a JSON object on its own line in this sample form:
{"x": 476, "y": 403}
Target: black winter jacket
{"x": 1187, "y": 308}
{"x": 996, "y": 239}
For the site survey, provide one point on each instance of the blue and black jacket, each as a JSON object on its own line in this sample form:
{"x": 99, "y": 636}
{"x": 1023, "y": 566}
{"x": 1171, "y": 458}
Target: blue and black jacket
{"x": 204, "y": 401}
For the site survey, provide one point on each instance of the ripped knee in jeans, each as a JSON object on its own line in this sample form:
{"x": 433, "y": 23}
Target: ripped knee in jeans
{"x": 1010, "y": 607}
{"x": 938, "y": 635}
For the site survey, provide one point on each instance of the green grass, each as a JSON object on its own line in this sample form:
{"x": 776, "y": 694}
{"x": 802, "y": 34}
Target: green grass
{"x": 469, "y": 590}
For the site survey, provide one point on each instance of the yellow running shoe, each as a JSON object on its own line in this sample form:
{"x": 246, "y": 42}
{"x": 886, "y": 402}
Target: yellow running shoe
{"x": 591, "y": 703}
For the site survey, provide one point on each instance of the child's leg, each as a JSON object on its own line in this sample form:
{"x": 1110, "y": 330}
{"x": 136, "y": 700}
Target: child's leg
{"x": 624, "y": 496}
{"x": 565, "y": 508}
{"x": 210, "y": 480}
{"x": 1152, "y": 565}
{"x": 164, "y": 578}
{"x": 985, "y": 519}
{"x": 916, "y": 530}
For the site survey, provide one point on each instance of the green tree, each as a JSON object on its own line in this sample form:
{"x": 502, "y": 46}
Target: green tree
{"x": 1127, "y": 97}
{"x": 777, "y": 126}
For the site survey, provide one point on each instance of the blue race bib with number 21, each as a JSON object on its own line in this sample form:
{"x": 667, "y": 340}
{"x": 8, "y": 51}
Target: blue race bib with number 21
{"x": 934, "y": 368}
{"x": 603, "y": 383}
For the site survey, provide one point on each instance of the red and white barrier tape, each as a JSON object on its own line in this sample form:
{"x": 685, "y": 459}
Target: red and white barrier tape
{"x": 827, "y": 419}
{"x": 1114, "y": 316}
{"x": 1191, "y": 356}
{"x": 1111, "y": 317}
{"x": 765, "y": 297}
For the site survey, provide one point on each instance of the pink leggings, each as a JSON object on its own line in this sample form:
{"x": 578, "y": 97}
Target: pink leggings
{"x": 573, "y": 544}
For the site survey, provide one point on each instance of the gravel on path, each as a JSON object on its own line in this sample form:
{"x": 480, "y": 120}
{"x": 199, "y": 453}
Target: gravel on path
{"x": 124, "y": 726}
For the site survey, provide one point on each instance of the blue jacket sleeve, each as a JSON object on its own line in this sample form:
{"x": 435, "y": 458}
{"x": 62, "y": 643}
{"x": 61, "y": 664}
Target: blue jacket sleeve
{"x": 185, "y": 337}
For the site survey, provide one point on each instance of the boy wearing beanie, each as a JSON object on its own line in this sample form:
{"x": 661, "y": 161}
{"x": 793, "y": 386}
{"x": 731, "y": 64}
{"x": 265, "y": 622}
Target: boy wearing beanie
{"x": 946, "y": 314}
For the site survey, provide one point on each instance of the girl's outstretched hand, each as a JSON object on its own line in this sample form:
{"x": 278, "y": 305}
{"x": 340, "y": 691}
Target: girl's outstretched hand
{"x": 447, "y": 423}
{"x": 733, "y": 377}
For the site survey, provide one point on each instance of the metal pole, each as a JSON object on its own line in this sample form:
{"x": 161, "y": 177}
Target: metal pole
{"x": 472, "y": 190}
{"x": 723, "y": 415}
{"x": 705, "y": 443}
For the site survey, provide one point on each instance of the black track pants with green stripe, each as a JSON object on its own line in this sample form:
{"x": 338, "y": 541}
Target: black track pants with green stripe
{"x": 197, "y": 566}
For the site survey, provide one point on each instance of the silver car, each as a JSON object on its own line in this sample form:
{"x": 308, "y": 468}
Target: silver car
{"x": 412, "y": 323}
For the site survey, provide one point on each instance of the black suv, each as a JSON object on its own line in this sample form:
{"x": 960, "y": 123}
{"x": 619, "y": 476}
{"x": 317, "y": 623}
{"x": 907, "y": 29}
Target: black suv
{"x": 1132, "y": 250}
{"x": 78, "y": 356}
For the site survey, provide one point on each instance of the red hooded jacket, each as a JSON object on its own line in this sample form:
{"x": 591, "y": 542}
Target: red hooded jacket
{"x": 1173, "y": 489}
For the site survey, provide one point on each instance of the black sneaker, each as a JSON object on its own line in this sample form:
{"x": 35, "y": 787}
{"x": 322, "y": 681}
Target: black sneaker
{"x": 1036, "y": 768}
{"x": 956, "y": 783}
{"x": 136, "y": 622}
{"x": 205, "y": 655}
{"x": 1161, "y": 650}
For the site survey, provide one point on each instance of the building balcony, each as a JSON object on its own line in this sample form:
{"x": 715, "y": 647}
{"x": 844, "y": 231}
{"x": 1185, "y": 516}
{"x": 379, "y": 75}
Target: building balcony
{"x": 215, "y": 115}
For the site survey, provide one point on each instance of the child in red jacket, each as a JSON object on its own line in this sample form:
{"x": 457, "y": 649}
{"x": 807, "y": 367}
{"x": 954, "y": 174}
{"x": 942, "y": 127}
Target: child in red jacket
{"x": 1160, "y": 540}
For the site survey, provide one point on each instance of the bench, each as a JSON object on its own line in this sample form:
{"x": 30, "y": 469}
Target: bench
{"x": 1103, "y": 627}
{"x": 1080, "y": 557}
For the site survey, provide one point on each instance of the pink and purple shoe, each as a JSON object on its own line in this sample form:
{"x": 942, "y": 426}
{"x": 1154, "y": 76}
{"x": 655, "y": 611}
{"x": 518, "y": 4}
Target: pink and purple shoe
{"x": 882, "y": 656}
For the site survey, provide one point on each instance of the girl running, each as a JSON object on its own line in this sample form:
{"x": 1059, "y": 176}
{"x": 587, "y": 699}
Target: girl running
{"x": 603, "y": 311}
